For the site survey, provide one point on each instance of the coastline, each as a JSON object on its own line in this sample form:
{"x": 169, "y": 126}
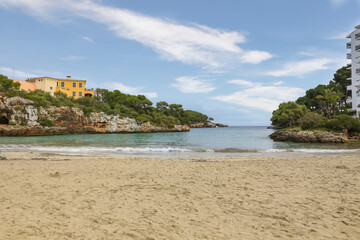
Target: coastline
{"x": 267, "y": 197}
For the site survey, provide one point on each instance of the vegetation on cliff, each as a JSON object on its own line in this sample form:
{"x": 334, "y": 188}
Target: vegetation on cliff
{"x": 323, "y": 108}
{"x": 111, "y": 103}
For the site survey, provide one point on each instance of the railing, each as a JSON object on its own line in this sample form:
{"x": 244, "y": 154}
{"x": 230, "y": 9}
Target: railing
{"x": 357, "y": 36}
{"x": 357, "y": 48}
{"x": 89, "y": 89}
{"x": 348, "y": 56}
{"x": 348, "y": 45}
{"x": 358, "y": 59}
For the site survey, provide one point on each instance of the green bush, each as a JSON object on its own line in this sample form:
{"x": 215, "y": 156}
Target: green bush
{"x": 312, "y": 120}
{"x": 143, "y": 118}
{"x": 12, "y": 123}
{"x": 344, "y": 122}
{"x": 45, "y": 122}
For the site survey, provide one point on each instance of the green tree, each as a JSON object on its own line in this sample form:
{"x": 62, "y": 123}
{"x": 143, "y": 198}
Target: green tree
{"x": 330, "y": 98}
{"x": 162, "y": 106}
{"x": 8, "y": 86}
{"x": 288, "y": 114}
{"x": 341, "y": 80}
{"x": 175, "y": 110}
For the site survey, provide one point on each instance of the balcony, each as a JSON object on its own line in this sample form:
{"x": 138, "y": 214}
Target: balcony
{"x": 348, "y": 45}
{"x": 357, "y": 59}
{"x": 357, "y": 48}
{"x": 358, "y": 71}
{"x": 357, "y": 36}
{"x": 348, "y": 56}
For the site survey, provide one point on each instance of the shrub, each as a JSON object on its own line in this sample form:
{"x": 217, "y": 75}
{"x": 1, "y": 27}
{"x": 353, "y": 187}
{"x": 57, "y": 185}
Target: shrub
{"x": 12, "y": 123}
{"x": 45, "y": 122}
{"x": 143, "y": 118}
{"x": 312, "y": 120}
{"x": 344, "y": 122}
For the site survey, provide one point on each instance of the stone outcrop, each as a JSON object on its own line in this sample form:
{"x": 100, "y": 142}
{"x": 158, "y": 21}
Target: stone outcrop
{"x": 207, "y": 125}
{"x": 24, "y": 118}
{"x": 312, "y": 136}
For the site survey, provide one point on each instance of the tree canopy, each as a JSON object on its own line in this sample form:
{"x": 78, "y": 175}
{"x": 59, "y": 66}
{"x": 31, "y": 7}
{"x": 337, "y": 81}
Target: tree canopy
{"x": 288, "y": 114}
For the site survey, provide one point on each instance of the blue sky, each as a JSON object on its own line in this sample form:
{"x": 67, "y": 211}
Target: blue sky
{"x": 232, "y": 60}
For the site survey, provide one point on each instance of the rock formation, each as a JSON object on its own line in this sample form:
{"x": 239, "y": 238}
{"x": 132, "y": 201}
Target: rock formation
{"x": 18, "y": 117}
{"x": 313, "y": 136}
{"x": 207, "y": 125}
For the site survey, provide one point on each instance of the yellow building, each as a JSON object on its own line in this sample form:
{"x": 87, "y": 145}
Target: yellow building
{"x": 71, "y": 87}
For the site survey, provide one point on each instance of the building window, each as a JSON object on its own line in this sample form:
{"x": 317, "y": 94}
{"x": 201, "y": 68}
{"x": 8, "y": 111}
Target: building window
{"x": 50, "y": 88}
{"x": 74, "y": 94}
{"x": 62, "y": 84}
{"x": 74, "y": 84}
{"x": 80, "y": 94}
{"x": 80, "y": 85}
{"x": 57, "y": 84}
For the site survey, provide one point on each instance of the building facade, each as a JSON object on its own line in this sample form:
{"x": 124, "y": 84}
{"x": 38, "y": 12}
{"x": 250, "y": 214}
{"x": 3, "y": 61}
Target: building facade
{"x": 354, "y": 55}
{"x": 71, "y": 87}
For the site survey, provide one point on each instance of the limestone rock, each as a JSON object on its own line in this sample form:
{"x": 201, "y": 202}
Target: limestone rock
{"x": 14, "y": 101}
{"x": 309, "y": 136}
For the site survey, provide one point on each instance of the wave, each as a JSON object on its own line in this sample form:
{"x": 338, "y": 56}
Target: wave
{"x": 91, "y": 149}
{"x": 87, "y": 150}
{"x": 310, "y": 150}
{"x": 326, "y": 150}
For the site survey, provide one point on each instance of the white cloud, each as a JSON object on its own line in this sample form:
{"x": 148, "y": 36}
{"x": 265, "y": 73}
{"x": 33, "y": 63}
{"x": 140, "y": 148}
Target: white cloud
{"x": 72, "y": 58}
{"x": 255, "y": 57}
{"x": 241, "y": 82}
{"x": 341, "y": 35}
{"x": 258, "y": 96}
{"x": 128, "y": 89}
{"x": 191, "y": 43}
{"x": 88, "y": 39}
{"x": 9, "y": 72}
{"x": 277, "y": 83}
{"x": 302, "y": 68}
{"x": 192, "y": 85}
{"x": 338, "y": 2}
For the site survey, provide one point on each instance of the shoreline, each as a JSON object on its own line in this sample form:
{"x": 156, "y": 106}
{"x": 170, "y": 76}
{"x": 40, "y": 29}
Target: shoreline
{"x": 299, "y": 197}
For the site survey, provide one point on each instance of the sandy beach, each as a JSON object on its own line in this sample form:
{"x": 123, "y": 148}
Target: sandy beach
{"x": 65, "y": 197}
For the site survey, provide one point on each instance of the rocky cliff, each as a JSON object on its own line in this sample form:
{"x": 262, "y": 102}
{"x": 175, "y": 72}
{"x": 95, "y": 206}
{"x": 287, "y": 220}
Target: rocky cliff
{"x": 18, "y": 117}
{"x": 313, "y": 136}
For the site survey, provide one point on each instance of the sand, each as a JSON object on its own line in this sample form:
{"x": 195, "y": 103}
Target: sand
{"x": 48, "y": 197}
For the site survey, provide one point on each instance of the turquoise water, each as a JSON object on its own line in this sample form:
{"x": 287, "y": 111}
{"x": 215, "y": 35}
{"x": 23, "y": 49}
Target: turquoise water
{"x": 229, "y": 140}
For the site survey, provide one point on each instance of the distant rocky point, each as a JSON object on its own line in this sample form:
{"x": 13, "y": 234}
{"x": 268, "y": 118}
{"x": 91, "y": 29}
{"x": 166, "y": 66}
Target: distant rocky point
{"x": 207, "y": 125}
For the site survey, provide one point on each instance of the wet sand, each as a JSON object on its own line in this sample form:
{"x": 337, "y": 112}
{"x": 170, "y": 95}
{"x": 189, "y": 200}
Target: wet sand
{"x": 54, "y": 197}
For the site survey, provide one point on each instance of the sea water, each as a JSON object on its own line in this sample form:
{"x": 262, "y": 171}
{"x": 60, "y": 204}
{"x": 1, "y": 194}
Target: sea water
{"x": 214, "y": 141}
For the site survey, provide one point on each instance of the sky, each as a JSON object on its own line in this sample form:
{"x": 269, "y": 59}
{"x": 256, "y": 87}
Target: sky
{"x": 233, "y": 60}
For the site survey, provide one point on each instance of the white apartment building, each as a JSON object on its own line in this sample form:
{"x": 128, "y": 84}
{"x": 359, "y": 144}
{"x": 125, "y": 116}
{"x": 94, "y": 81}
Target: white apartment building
{"x": 354, "y": 55}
